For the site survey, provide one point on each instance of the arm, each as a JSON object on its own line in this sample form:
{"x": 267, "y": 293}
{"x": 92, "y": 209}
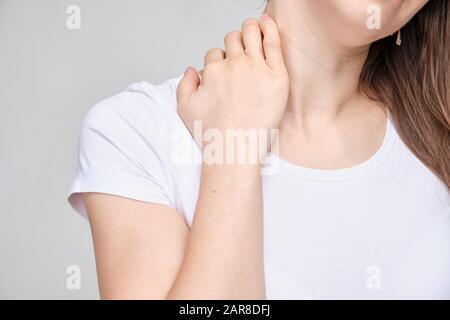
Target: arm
{"x": 224, "y": 255}
{"x": 145, "y": 250}
{"x": 139, "y": 247}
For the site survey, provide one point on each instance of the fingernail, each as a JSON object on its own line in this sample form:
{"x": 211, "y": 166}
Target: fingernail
{"x": 265, "y": 17}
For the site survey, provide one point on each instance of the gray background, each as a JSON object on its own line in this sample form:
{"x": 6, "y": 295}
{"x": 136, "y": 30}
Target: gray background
{"x": 49, "y": 77}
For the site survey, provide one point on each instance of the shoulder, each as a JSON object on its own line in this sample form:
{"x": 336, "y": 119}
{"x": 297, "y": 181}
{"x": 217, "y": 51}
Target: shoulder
{"x": 141, "y": 106}
{"x": 125, "y": 145}
{"x": 140, "y": 120}
{"x": 418, "y": 181}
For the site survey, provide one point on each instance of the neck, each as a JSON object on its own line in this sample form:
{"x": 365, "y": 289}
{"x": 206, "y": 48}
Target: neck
{"x": 324, "y": 76}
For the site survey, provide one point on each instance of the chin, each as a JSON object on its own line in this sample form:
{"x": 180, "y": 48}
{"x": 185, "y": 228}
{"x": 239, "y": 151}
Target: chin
{"x": 357, "y": 23}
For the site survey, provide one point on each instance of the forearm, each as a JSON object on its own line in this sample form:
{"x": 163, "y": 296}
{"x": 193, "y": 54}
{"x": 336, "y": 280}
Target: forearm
{"x": 245, "y": 87}
{"x": 224, "y": 254}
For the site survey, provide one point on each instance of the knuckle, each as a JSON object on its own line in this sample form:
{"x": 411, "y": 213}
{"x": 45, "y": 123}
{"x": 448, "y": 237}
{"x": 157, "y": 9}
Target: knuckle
{"x": 211, "y": 69}
{"x": 248, "y": 23}
{"x": 232, "y": 35}
{"x": 240, "y": 63}
{"x": 238, "y": 60}
{"x": 213, "y": 52}
{"x": 271, "y": 43}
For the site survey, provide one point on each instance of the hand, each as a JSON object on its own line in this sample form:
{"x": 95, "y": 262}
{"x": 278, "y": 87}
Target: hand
{"x": 245, "y": 87}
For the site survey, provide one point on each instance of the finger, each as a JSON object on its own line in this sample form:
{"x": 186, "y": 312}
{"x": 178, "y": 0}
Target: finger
{"x": 233, "y": 44}
{"x": 214, "y": 54}
{"x": 271, "y": 42}
{"x": 252, "y": 38}
{"x": 188, "y": 84}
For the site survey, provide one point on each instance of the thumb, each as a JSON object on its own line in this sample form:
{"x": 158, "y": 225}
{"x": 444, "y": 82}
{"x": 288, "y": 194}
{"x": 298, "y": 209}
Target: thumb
{"x": 188, "y": 84}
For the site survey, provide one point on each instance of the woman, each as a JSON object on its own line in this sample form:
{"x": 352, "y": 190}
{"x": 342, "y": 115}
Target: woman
{"x": 357, "y": 201}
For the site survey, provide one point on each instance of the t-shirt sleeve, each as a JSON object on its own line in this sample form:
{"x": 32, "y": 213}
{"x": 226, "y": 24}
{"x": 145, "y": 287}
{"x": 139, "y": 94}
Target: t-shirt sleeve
{"x": 115, "y": 158}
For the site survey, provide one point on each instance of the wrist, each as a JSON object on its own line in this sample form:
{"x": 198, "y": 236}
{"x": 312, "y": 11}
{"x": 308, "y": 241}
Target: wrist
{"x": 235, "y": 146}
{"x": 236, "y": 169}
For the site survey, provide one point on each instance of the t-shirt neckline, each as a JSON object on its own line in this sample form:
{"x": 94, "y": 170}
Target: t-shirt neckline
{"x": 284, "y": 167}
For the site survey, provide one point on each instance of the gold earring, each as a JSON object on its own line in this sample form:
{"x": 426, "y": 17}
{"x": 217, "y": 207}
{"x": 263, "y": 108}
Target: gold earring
{"x": 399, "y": 38}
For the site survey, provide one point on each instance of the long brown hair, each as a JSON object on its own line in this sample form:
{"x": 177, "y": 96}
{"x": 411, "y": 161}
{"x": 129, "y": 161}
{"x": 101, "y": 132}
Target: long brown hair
{"x": 413, "y": 81}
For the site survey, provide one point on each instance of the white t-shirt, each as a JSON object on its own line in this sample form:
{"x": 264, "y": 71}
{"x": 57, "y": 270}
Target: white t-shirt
{"x": 380, "y": 229}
